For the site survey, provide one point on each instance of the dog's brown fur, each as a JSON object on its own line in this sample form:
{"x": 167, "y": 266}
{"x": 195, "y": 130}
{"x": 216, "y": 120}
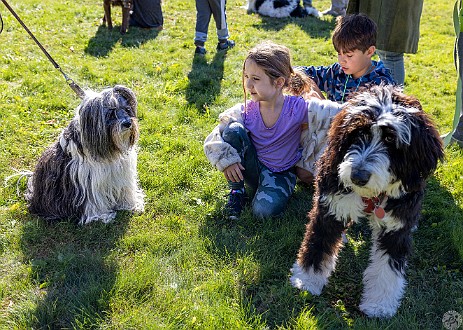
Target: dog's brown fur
{"x": 127, "y": 6}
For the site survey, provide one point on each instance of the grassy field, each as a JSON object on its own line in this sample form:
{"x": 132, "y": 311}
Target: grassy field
{"x": 181, "y": 264}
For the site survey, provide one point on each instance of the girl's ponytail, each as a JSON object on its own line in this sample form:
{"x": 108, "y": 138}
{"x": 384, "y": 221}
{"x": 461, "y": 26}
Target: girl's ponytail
{"x": 299, "y": 83}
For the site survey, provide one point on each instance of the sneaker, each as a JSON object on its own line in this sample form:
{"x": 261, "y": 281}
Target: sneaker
{"x": 235, "y": 204}
{"x": 334, "y": 12}
{"x": 200, "y": 50}
{"x": 226, "y": 45}
{"x": 458, "y": 142}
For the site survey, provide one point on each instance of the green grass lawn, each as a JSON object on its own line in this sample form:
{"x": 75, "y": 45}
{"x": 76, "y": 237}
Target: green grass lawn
{"x": 181, "y": 264}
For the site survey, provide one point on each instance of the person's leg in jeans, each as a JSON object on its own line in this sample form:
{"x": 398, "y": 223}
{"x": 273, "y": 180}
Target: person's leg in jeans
{"x": 218, "y": 8}
{"x": 394, "y": 62}
{"x": 203, "y": 17}
{"x": 273, "y": 193}
{"x": 236, "y": 135}
{"x": 272, "y": 189}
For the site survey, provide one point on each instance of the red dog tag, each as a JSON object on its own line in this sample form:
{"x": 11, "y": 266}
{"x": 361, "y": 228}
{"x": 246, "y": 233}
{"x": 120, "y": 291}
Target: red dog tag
{"x": 369, "y": 205}
{"x": 379, "y": 212}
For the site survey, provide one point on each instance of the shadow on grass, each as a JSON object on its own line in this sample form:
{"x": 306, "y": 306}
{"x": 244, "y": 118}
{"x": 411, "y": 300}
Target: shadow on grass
{"x": 72, "y": 269}
{"x": 434, "y": 274}
{"x": 104, "y": 40}
{"x": 205, "y": 80}
{"x": 271, "y": 245}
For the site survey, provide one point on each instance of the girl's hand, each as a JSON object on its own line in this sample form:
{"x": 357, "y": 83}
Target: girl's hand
{"x": 233, "y": 172}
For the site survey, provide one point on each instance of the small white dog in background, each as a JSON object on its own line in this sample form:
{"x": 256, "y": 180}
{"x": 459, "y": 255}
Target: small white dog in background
{"x": 280, "y": 8}
{"x": 91, "y": 171}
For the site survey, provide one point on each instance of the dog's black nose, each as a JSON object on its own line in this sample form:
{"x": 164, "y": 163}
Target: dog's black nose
{"x": 360, "y": 177}
{"x": 127, "y": 123}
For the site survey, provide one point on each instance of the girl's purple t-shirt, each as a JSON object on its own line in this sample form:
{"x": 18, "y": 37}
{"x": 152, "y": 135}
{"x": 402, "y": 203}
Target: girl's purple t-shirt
{"x": 277, "y": 146}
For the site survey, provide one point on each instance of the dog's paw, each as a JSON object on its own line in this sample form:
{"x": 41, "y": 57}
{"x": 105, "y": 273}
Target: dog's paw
{"x": 378, "y": 310}
{"x": 312, "y": 11}
{"x": 103, "y": 217}
{"x": 138, "y": 207}
{"x": 307, "y": 280}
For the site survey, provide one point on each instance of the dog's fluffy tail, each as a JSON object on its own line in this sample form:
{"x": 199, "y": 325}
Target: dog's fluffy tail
{"x": 20, "y": 175}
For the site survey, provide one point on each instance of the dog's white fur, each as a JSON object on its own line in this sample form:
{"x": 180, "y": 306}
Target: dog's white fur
{"x": 383, "y": 286}
{"x": 108, "y": 186}
{"x": 311, "y": 280}
{"x": 269, "y": 8}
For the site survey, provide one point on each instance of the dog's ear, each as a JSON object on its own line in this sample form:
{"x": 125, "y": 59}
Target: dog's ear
{"x": 94, "y": 136}
{"x": 337, "y": 145}
{"x": 340, "y": 136}
{"x": 129, "y": 95}
{"x": 425, "y": 150}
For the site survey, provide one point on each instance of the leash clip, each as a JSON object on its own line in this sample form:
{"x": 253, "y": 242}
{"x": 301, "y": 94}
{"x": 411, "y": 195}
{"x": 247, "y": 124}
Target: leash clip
{"x": 76, "y": 88}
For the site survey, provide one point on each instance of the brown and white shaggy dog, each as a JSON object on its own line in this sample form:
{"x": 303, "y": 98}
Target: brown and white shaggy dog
{"x": 381, "y": 148}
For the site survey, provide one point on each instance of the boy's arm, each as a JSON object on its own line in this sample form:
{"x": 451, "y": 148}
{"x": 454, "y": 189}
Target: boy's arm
{"x": 317, "y": 74}
{"x": 313, "y": 139}
{"x": 219, "y": 153}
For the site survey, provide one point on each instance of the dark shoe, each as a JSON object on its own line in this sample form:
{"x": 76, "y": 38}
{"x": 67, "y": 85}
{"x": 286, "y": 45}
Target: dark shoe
{"x": 236, "y": 202}
{"x": 226, "y": 45}
{"x": 458, "y": 142}
{"x": 200, "y": 50}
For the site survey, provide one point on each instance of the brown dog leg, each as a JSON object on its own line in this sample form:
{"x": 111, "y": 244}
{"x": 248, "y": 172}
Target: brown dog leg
{"x": 107, "y": 13}
{"x": 125, "y": 19}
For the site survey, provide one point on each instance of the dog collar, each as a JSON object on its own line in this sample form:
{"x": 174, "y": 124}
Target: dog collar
{"x": 373, "y": 205}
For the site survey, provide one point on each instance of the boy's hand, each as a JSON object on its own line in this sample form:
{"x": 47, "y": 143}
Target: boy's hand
{"x": 233, "y": 172}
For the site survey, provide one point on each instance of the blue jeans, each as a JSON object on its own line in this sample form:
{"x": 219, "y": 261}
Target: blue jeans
{"x": 271, "y": 190}
{"x": 394, "y": 62}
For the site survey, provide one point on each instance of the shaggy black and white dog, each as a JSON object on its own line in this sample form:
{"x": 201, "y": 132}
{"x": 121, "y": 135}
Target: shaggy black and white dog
{"x": 381, "y": 148}
{"x": 280, "y": 8}
{"x": 91, "y": 171}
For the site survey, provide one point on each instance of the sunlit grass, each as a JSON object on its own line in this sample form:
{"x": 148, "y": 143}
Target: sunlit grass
{"x": 180, "y": 264}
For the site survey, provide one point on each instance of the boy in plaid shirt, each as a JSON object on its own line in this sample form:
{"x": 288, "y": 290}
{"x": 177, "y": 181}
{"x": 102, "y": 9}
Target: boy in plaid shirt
{"x": 354, "y": 38}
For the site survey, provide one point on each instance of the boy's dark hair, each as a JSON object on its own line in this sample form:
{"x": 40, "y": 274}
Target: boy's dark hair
{"x": 353, "y": 32}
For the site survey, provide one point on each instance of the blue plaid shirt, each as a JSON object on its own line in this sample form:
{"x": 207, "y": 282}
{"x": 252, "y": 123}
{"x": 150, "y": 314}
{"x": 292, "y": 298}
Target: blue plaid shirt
{"x": 332, "y": 79}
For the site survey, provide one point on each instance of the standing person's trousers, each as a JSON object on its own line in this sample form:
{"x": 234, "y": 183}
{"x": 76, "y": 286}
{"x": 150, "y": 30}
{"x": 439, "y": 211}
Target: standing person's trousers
{"x": 204, "y": 10}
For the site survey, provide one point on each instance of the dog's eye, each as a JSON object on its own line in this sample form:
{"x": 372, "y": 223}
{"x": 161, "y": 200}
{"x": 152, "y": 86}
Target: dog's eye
{"x": 389, "y": 139}
{"x": 129, "y": 111}
{"x": 389, "y": 135}
{"x": 364, "y": 136}
{"x": 112, "y": 115}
